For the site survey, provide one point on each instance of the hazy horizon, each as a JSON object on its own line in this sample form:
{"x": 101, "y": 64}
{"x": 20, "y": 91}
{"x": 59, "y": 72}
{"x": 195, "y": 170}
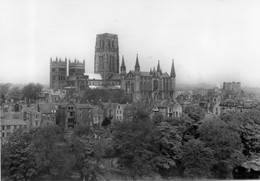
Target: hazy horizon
{"x": 210, "y": 41}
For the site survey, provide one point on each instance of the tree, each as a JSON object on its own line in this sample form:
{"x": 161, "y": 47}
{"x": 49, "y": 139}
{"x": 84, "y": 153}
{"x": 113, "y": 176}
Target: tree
{"x": 226, "y": 144}
{"x": 32, "y": 91}
{"x": 87, "y": 152}
{"x": 248, "y": 126}
{"x": 4, "y": 88}
{"x": 195, "y": 112}
{"x": 187, "y": 127}
{"x": 145, "y": 146}
{"x": 132, "y": 143}
{"x": 14, "y": 93}
{"x": 197, "y": 159}
{"x": 50, "y": 150}
{"x": 18, "y": 161}
{"x": 167, "y": 145}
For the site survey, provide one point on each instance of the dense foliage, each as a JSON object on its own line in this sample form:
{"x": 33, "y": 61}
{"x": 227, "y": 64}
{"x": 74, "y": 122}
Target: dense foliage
{"x": 14, "y": 94}
{"x": 141, "y": 146}
{"x": 195, "y": 112}
{"x": 31, "y": 91}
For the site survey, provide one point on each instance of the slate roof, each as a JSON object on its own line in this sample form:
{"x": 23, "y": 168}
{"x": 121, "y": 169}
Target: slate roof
{"x": 13, "y": 122}
{"x": 84, "y": 106}
{"x": 165, "y": 74}
{"x": 94, "y": 76}
{"x": 13, "y": 118}
{"x": 115, "y": 77}
{"x": 47, "y": 108}
{"x": 165, "y": 104}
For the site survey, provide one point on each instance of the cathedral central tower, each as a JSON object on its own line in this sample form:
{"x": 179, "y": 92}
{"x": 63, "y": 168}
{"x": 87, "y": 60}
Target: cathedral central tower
{"x": 106, "y": 55}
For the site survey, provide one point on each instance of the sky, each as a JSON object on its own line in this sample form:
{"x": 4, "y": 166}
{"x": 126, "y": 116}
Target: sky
{"x": 211, "y": 41}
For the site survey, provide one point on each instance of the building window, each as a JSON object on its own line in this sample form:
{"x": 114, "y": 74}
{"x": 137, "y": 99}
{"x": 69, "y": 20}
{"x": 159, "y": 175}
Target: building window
{"x": 20, "y": 126}
{"x": 15, "y": 126}
{"x": 3, "y": 127}
{"x": 71, "y": 120}
{"x": 8, "y": 127}
{"x": 3, "y": 135}
{"x": 8, "y": 134}
{"x": 36, "y": 123}
{"x": 80, "y": 115}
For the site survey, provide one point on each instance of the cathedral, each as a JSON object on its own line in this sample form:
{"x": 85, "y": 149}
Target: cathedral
{"x": 154, "y": 84}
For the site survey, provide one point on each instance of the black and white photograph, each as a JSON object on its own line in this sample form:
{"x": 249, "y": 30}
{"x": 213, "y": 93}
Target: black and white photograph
{"x": 111, "y": 90}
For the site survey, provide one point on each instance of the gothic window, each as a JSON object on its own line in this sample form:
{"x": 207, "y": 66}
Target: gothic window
{"x": 155, "y": 85}
{"x": 132, "y": 87}
{"x": 113, "y": 63}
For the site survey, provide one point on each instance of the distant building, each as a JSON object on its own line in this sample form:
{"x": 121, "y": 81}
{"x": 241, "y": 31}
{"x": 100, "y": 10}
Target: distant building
{"x": 70, "y": 114}
{"x": 167, "y": 109}
{"x": 232, "y": 87}
{"x": 10, "y": 121}
{"x": 48, "y": 113}
{"x": 32, "y": 117}
{"x": 58, "y": 73}
{"x": 98, "y": 116}
{"x": 113, "y": 111}
{"x": 75, "y": 80}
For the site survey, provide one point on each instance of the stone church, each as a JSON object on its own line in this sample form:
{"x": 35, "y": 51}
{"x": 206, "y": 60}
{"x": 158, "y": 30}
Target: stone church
{"x": 142, "y": 85}
{"x": 153, "y": 84}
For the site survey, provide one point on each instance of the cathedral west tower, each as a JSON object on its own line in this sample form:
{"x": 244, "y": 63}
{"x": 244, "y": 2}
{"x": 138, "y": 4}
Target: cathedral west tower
{"x": 106, "y": 61}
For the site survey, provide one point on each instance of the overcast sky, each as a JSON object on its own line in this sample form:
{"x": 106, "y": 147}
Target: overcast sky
{"x": 211, "y": 41}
